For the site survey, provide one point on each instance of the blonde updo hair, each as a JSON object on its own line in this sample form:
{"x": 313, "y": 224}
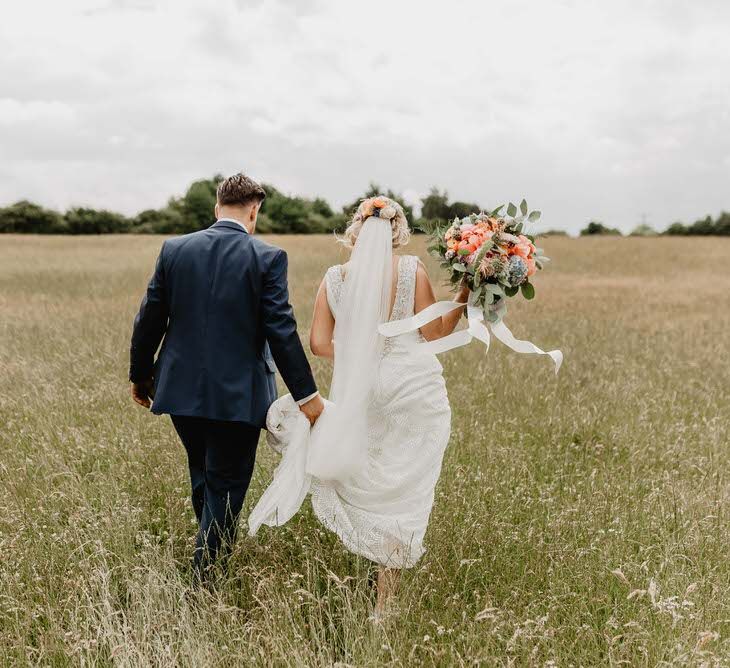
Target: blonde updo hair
{"x": 379, "y": 206}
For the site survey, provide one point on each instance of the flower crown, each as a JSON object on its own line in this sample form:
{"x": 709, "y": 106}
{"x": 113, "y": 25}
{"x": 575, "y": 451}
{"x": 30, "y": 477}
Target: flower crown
{"x": 378, "y": 207}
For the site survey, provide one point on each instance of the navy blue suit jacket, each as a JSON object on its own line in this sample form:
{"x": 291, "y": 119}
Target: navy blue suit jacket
{"x": 220, "y": 300}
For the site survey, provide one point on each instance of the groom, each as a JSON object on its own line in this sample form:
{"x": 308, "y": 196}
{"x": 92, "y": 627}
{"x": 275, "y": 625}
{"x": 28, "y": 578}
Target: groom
{"x": 219, "y": 299}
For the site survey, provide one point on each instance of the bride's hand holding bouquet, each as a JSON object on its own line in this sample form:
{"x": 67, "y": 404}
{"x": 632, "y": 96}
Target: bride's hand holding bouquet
{"x": 489, "y": 258}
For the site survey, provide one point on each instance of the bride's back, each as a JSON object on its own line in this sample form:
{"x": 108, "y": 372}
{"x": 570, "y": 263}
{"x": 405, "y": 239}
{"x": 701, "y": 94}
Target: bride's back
{"x": 405, "y": 268}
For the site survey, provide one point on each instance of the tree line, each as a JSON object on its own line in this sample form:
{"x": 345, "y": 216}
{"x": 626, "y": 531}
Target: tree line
{"x": 280, "y": 214}
{"x": 707, "y": 226}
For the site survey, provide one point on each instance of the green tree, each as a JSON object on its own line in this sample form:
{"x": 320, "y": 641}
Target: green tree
{"x": 462, "y": 209}
{"x": 704, "y": 226}
{"x": 595, "y": 227}
{"x": 160, "y": 221}
{"x": 435, "y": 205}
{"x": 643, "y": 230}
{"x": 722, "y": 224}
{"x": 83, "y": 220}
{"x": 198, "y": 203}
{"x": 288, "y": 215}
{"x": 322, "y": 208}
{"x": 25, "y": 217}
{"x": 676, "y": 229}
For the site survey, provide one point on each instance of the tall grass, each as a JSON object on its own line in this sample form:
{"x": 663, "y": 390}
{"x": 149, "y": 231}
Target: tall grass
{"x": 578, "y": 521}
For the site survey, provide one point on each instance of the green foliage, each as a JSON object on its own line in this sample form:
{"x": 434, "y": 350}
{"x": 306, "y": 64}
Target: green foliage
{"x": 703, "y": 227}
{"x": 27, "y": 218}
{"x": 435, "y": 207}
{"x": 82, "y": 220}
{"x": 643, "y": 230}
{"x": 198, "y": 203}
{"x": 676, "y": 229}
{"x": 528, "y": 290}
{"x": 284, "y": 214}
{"x": 169, "y": 220}
{"x": 598, "y": 228}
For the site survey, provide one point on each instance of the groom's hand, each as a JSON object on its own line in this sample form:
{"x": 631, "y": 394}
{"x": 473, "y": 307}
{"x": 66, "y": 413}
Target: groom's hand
{"x": 312, "y": 409}
{"x": 143, "y": 392}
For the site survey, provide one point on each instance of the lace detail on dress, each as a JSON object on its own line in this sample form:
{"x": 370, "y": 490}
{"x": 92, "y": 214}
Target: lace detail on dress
{"x": 405, "y": 296}
{"x": 333, "y": 283}
{"x": 405, "y": 290}
{"x": 405, "y": 293}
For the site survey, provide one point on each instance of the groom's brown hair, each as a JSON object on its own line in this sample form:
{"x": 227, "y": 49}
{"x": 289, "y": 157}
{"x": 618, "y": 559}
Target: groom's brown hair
{"x": 239, "y": 190}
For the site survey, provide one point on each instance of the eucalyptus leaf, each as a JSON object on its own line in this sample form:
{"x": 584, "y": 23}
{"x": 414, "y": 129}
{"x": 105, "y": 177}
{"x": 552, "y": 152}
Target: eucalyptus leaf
{"x": 488, "y": 298}
{"x": 459, "y": 267}
{"x": 534, "y": 215}
{"x": 511, "y": 210}
{"x": 523, "y": 207}
{"x": 495, "y": 289}
{"x": 511, "y": 291}
{"x": 528, "y": 290}
{"x": 495, "y": 212}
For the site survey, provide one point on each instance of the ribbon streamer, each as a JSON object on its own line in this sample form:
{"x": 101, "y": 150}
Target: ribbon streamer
{"x": 477, "y": 329}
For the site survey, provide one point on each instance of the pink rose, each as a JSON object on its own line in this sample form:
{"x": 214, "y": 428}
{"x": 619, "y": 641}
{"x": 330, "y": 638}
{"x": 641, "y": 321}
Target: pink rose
{"x": 531, "y": 266}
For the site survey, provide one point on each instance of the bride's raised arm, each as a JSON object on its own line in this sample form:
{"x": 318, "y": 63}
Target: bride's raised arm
{"x": 323, "y": 326}
{"x": 425, "y": 296}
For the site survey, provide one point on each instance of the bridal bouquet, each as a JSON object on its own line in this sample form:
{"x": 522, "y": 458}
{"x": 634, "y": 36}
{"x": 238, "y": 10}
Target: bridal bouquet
{"x": 492, "y": 254}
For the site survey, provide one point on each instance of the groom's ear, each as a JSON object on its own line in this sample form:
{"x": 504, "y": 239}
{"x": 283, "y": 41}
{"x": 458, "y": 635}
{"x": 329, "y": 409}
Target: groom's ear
{"x": 216, "y": 210}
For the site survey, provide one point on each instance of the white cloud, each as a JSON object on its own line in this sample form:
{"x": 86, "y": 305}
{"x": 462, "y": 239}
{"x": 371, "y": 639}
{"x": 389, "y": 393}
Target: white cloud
{"x": 591, "y": 110}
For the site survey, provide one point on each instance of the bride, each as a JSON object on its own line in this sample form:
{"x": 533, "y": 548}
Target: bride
{"x": 375, "y": 456}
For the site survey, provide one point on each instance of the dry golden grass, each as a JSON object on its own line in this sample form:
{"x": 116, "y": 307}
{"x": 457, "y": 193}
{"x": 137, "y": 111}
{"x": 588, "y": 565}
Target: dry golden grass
{"x": 580, "y": 520}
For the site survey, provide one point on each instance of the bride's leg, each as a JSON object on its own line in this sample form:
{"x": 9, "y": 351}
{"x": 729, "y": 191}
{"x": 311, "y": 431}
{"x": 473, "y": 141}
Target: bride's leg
{"x": 388, "y": 579}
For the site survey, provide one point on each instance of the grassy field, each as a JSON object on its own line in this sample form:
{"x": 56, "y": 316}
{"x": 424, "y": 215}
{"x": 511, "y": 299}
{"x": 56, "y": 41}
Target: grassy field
{"x": 579, "y": 521}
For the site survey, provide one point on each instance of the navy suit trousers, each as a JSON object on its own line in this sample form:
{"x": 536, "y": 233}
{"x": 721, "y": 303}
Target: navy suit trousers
{"x": 221, "y": 458}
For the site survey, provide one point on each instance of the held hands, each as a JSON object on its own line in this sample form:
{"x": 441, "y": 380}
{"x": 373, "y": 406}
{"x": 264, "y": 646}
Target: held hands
{"x": 143, "y": 392}
{"x": 312, "y": 409}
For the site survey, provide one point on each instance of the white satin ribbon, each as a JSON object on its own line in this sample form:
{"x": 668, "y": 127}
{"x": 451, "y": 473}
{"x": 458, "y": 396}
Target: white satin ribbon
{"x": 477, "y": 329}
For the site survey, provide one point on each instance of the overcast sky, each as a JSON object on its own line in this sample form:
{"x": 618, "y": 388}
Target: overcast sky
{"x": 592, "y": 110}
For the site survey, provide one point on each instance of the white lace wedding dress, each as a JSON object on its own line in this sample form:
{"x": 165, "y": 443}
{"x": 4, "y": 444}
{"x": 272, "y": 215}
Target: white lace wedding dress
{"x": 382, "y": 511}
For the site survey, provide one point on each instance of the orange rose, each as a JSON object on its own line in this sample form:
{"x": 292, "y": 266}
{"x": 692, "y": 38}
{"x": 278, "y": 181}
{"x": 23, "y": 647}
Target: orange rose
{"x": 531, "y": 266}
{"x": 379, "y": 203}
{"x": 524, "y": 240}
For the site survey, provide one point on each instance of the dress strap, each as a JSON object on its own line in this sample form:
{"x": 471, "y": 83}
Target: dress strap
{"x": 333, "y": 283}
{"x": 405, "y": 291}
